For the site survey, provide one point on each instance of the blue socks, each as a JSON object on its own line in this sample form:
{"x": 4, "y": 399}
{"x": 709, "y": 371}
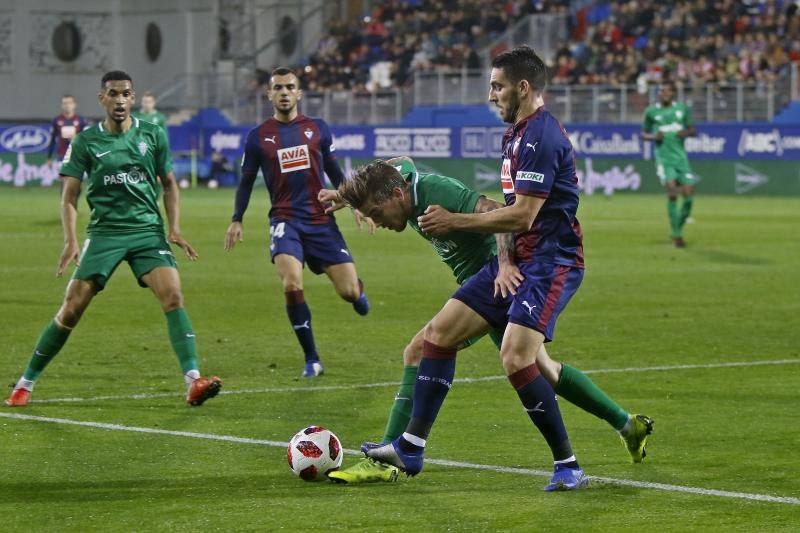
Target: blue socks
{"x": 300, "y": 318}
{"x": 539, "y": 400}
{"x": 434, "y": 379}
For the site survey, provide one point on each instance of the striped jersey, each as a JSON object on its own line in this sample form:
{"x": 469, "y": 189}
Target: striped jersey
{"x": 292, "y": 157}
{"x": 538, "y": 160}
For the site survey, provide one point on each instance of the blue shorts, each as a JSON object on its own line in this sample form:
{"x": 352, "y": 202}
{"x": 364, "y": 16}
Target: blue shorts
{"x": 318, "y": 245}
{"x": 540, "y": 298}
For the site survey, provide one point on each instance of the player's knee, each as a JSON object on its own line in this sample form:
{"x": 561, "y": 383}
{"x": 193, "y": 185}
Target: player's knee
{"x": 349, "y": 292}
{"x": 435, "y": 334}
{"x": 171, "y": 300}
{"x": 291, "y": 284}
{"x": 412, "y": 354}
{"x": 513, "y": 360}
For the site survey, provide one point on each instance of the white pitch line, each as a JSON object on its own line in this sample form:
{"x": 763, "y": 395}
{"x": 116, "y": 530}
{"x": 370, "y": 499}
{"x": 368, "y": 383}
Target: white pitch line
{"x": 314, "y": 388}
{"x": 441, "y": 462}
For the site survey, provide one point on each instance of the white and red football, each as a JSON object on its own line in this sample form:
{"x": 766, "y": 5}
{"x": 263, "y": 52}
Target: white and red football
{"x": 314, "y": 452}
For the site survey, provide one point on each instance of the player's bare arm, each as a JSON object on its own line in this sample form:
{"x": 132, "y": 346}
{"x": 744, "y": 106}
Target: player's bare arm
{"x": 69, "y": 220}
{"x": 657, "y": 136}
{"x": 514, "y": 218}
{"x": 688, "y": 131}
{"x": 508, "y": 276}
{"x": 235, "y": 232}
{"x": 172, "y": 207}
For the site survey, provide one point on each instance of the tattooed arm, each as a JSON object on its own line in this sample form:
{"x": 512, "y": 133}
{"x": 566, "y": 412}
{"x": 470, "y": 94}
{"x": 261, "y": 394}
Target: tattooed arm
{"x": 508, "y": 277}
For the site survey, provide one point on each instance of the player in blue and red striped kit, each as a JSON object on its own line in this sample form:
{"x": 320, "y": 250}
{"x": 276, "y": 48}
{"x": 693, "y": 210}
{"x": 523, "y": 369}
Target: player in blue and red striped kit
{"x": 292, "y": 150}
{"x": 65, "y": 126}
{"x": 541, "y": 192}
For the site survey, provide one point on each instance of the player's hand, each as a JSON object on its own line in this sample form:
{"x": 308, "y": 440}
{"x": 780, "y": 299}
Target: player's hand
{"x": 659, "y": 136}
{"x": 330, "y": 196}
{"x": 508, "y": 279}
{"x": 177, "y": 238}
{"x": 361, "y": 218}
{"x": 233, "y": 235}
{"x": 70, "y": 253}
{"x": 436, "y": 221}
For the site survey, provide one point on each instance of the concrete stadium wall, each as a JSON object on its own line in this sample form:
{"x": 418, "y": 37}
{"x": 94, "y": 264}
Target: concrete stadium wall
{"x": 32, "y": 78}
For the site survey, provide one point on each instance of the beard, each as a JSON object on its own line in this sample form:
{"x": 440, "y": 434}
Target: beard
{"x": 512, "y": 109}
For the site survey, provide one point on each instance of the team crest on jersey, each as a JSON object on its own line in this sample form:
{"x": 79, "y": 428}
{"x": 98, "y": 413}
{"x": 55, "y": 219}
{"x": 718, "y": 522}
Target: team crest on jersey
{"x": 679, "y": 114}
{"x": 505, "y": 177}
{"x": 142, "y": 147}
{"x": 308, "y": 133}
{"x": 294, "y": 158}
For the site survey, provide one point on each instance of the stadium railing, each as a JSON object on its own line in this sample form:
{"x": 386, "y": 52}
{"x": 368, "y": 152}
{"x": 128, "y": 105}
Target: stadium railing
{"x": 242, "y": 100}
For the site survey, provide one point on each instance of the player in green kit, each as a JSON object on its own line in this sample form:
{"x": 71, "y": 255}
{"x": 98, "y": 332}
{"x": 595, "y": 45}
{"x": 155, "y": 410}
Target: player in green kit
{"x": 393, "y": 194}
{"x": 667, "y": 124}
{"x": 123, "y": 158}
{"x": 148, "y": 111}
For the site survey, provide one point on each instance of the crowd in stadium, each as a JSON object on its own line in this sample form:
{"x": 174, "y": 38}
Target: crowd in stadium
{"x": 691, "y": 41}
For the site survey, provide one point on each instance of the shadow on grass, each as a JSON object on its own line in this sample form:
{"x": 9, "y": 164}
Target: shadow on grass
{"x": 718, "y": 256}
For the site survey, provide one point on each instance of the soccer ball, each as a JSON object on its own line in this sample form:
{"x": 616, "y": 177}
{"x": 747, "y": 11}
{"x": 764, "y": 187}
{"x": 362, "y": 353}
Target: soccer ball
{"x": 314, "y": 452}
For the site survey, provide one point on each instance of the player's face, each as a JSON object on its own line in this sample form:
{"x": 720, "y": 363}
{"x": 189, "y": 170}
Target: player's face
{"x": 284, "y": 92}
{"x": 666, "y": 94}
{"x": 68, "y": 105}
{"x": 148, "y": 104}
{"x": 504, "y": 95}
{"x": 390, "y": 214}
{"x": 117, "y": 99}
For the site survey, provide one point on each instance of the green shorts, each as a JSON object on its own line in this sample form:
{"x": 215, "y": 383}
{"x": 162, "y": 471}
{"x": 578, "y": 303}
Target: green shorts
{"x": 680, "y": 172}
{"x": 102, "y": 254}
{"x": 496, "y": 335}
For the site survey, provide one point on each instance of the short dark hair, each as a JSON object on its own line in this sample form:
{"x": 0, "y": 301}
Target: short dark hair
{"x": 375, "y": 182}
{"x": 150, "y": 94}
{"x": 522, "y": 63}
{"x": 282, "y": 71}
{"x": 115, "y": 75}
{"x": 67, "y": 96}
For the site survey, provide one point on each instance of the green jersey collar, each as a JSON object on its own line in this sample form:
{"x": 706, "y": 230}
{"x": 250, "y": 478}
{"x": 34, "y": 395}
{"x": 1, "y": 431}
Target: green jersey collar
{"x": 134, "y": 125}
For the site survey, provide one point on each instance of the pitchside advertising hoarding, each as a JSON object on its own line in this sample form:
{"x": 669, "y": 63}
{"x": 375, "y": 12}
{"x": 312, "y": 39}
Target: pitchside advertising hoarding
{"x": 727, "y": 158}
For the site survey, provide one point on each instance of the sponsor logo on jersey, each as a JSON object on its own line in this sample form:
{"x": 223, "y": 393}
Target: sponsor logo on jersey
{"x": 68, "y": 132}
{"x": 505, "y": 177}
{"x": 132, "y": 177}
{"x": 25, "y": 139}
{"x": 535, "y": 177}
{"x": 142, "y": 147}
{"x": 294, "y": 158}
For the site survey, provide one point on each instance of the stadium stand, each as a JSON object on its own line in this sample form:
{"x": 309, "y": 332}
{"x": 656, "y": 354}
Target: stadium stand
{"x": 611, "y": 43}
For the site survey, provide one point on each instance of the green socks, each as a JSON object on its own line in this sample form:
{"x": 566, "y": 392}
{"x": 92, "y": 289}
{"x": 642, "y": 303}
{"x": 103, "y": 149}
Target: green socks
{"x": 47, "y": 347}
{"x": 674, "y": 218}
{"x": 686, "y": 210}
{"x": 182, "y": 338}
{"x": 401, "y": 410}
{"x": 575, "y": 387}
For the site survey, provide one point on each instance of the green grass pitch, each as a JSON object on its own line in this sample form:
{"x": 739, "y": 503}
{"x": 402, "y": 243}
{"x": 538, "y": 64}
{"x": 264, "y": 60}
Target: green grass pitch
{"x": 732, "y": 296}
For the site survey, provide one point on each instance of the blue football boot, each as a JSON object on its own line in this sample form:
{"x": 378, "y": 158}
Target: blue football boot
{"x": 313, "y": 369}
{"x": 391, "y": 454}
{"x": 565, "y": 478}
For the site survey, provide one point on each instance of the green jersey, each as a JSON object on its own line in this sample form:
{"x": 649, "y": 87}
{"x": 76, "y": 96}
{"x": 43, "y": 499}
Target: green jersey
{"x": 122, "y": 188}
{"x": 669, "y": 121}
{"x": 156, "y": 117}
{"x": 464, "y": 252}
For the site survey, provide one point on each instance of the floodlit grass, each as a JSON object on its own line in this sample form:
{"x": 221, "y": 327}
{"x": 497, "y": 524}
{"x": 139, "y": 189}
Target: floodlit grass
{"x": 732, "y": 295}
